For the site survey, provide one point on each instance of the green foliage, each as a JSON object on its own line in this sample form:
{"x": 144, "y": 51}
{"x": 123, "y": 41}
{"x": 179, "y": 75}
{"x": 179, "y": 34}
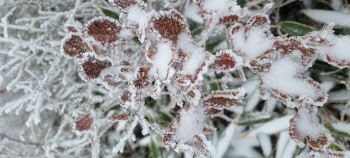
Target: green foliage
{"x": 212, "y": 43}
{"x": 335, "y": 147}
{"x": 341, "y": 30}
{"x": 295, "y": 28}
{"x": 154, "y": 149}
{"x": 194, "y": 27}
{"x": 330, "y": 126}
{"x": 241, "y": 3}
{"x": 323, "y": 67}
{"x": 109, "y": 13}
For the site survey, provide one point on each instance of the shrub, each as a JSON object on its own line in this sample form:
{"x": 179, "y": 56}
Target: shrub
{"x": 100, "y": 78}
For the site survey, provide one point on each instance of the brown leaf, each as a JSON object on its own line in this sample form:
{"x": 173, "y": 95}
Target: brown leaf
{"x": 141, "y": 81}
{"x": 226, "y": 61}
{"x": 103, "y": 30}
{"x": 168, "y": 24}
{"x": 83, "y": 122}
{"x": 125, "y": 4}
{"x": 289, "y": 45}
{"x": 75, "y": 46}
{"x": 223, "y": 99}
{"x": 92, "y": 68}
{"x": 126, "y": 98}
{"x": 119, "y": 117}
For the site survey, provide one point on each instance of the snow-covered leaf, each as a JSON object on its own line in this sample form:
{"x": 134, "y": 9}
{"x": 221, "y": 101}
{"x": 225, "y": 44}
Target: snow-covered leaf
{"x": 223, "y": 99}
{"x": 168, "y": 25}
{"x": 255, "y": 118}
{"x": 75, "y": 46}
{"x": 327, "y": 16}
{"x": 105, "y": 31}
{"x": 340, "y": 128}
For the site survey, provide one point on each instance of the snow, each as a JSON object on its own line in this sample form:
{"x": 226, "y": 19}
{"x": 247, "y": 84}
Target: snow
{"x": 196, "y": 59}
{"x": 265, "y": 143}
{"x": 162, "y": 60}
{"x": 326, "y": 16}
{"x": 254, "y": 45}
{"x": 341, "y": 48}
{"x": 41, "y": 85}
{"x": 272, "y": 127}
{"x": 341, "y": 127}
{"x": 185, "y": 43}
{"x": 285, "y": 146}
{"x": 126, "y": 33}
{"x": 225, "y": 140}
{"x": 192, "y": 13}
{"x": 219, "y": 5}
{"x": 339, "y": 95}
{"x": 191, "y": 123}
{"x": 282, "y": 76}
{"x": 307, "y": 124}
{"x": 137, "y": 14}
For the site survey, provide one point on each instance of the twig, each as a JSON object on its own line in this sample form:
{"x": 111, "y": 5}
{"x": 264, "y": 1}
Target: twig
{"x": 2, "y": 136}
{"x": 342, "y": 114}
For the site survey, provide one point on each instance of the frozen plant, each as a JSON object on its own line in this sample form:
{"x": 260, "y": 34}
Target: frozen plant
{"x": 104, "y": 78}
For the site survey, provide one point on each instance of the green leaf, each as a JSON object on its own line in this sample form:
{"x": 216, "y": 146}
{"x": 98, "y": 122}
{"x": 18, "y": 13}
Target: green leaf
{"x": 334, "y": 127}
{"x": 241, "y": 3}
{"x": 323, "y": 67}
{"x": 328, "y": 16}
{"x": 341, "y": 30}
{"x": 255, "y": 118}
{"x": 165, "y": 117}
{"x": 212, "y": 43}
{"x": 295, "y": 28}
{"x": 109, "y": 13}
{"x": 136, "y": 40}
{"x": 335, "y": 147}
{"x": 154, "y": 149}
{"x": 278, "y": 2}
{"x": 195, "y": 27}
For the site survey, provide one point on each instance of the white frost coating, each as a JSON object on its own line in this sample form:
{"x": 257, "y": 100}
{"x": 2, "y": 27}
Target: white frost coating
{"x": 283, "y": 140}
{"x": 290, "y": 149}
{"x": 225, "y": 140}
{"x": 195, "y": 60}
{"x": 191, "y": 12}
{"x": 254, "y": 45}
{"x": 185, "y": 43}
{"x": 126, "y": 33}
{"x": 253, "y": 95}
{"x": 282, "y": 76}
{"x": 326, "y": 16}
{"x": 137, "y": 14}
{"x": 221, "y": 5}
{"x": 265, "y": 143}
{"x": 308, "y": 125}
{"x": 341, "y": 48}
{"x": 162, "y": 60}
{"x": 191, "y": 123}
{"x": 342, "y": 127}
{"x": 273, "y": 126}
{"x": 241, "y": 91}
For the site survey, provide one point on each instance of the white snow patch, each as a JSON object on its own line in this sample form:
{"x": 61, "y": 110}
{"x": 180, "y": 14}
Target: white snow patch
{"x": 162, "y": 59}
{"x": 326, "y": 16}
{"x": 254, "y": 45}
{"x": 282, "y": 76}
{"x": 341, "y": 48}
